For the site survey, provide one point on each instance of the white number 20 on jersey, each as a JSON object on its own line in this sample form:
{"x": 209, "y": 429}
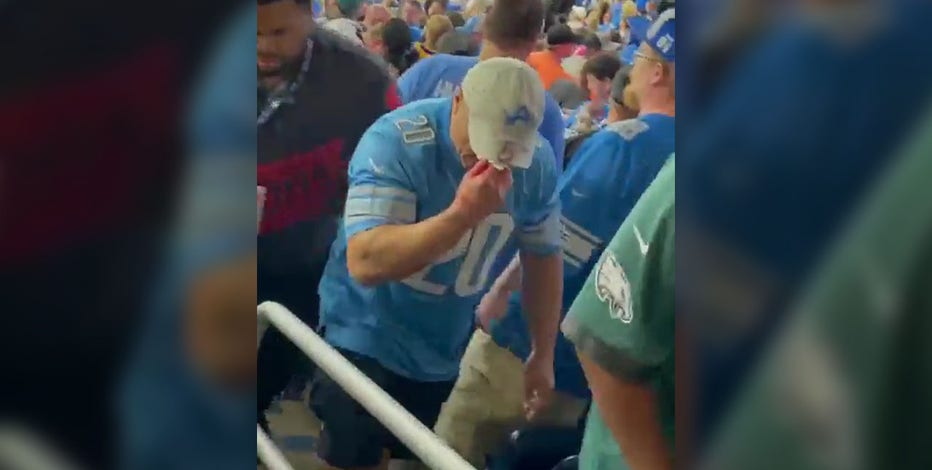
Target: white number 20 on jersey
{"x": 477, "y": 261}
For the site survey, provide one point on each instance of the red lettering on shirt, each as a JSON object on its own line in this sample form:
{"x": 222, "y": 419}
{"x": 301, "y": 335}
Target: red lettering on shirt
{"x": 392, "y": 98}
{"x": 303, "y": 187}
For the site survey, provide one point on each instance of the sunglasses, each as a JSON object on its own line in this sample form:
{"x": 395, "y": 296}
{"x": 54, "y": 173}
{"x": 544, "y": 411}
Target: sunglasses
{"x": 641, "y": 55}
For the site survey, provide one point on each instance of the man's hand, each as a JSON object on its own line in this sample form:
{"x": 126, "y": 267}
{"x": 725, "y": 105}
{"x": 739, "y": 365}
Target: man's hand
{"x": 493, "y": 306}
{"x": 538, "y": 384}
{"x": 481, "y": 193}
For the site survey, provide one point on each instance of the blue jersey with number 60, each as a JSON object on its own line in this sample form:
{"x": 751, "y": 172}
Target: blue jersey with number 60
{"x": 405, "y": 170}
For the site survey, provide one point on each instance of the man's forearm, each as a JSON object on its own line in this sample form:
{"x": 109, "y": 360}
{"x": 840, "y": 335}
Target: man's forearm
{"x": 510, "y": 279}
{"x": 630, "y": 412}
{"x": 395, "y": 252}
{"x": 541, "y": 299}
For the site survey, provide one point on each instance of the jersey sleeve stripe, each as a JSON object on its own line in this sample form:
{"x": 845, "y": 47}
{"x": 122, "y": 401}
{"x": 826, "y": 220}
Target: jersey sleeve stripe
{"x": 579, "y": 231}
{"x": 370, "y": 191}
{"x": 543, "y": 238}
{"x": 578, "y": 244}
{"x": 577, "y": 250}
{"x": 391, "y": 209}
{"x": 569, "y": 259}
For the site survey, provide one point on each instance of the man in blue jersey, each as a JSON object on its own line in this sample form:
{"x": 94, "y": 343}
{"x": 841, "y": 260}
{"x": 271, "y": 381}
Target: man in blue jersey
{"x": 430, "y": 205}
{"x": 510, "y": 29}
{"x": 597, "y": 192}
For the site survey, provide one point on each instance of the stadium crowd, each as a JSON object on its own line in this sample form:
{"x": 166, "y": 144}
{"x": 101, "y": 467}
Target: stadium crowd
{"x": 474, "y": 204}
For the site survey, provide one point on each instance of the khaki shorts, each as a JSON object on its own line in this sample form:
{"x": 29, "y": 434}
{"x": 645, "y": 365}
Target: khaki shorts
{"x": 486, "y": 404}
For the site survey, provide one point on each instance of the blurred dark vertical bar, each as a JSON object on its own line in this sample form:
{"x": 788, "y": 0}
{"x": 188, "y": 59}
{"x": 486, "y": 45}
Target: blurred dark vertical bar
{"x": 91, "y": 102}
{"x": 788, "y": 112}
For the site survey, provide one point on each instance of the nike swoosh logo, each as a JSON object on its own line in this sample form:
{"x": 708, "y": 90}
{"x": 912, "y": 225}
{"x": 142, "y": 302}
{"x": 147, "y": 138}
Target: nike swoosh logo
{"x": 644, "y": 246}
{"x": 577, "y": 193}
{"x": 375, "y": 167}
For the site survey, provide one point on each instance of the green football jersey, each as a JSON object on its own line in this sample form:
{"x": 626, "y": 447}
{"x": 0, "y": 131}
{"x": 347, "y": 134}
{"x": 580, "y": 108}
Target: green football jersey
{"x": 847, "y": 384}
{"x": 623, "y": 318}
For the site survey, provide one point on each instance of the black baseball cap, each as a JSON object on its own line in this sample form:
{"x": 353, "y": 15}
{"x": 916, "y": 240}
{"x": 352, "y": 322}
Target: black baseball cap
{"x": 567, "y": 94}
{"x": 560, "y": 34}
{"x": 592, "y": 42}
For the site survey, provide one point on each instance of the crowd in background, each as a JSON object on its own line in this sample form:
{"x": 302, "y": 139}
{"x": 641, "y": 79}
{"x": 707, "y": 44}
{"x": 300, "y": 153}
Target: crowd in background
{"x": 577, "y": 57}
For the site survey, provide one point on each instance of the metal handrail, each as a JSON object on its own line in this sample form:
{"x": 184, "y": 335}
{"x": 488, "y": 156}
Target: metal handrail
{"x": 268, "y": 453}
{"x": 421, "y": 440}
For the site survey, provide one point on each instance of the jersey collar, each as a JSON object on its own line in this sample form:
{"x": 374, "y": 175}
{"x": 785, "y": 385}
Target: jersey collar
{"x": 443, "y": 128}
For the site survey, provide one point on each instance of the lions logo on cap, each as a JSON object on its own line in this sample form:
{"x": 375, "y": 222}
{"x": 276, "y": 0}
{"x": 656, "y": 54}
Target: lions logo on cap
{"x": 664, "y": 43}
{"x": 612, "y": 287}
{"x": 521, "y": 115}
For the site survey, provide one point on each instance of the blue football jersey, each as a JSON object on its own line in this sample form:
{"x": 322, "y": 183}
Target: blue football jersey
{"x": 417, "y": 34}
{"x": 614, "y": 167}
{"x": 440, "y": 76}
{"x": 405, "y": 170}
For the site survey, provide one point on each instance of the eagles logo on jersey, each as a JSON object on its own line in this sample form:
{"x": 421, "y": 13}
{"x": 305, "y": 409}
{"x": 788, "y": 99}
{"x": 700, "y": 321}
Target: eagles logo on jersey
{"x": 612, "y": 287}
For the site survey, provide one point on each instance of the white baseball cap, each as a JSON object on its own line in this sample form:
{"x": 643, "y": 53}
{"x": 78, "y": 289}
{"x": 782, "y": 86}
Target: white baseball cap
{"x": 345, "y": 27}
{"x": 505, "y": 99}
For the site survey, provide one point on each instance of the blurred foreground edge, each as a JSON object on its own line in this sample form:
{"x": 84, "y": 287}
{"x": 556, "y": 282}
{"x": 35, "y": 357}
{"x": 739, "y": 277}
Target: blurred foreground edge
{"x": 91, "y": 147}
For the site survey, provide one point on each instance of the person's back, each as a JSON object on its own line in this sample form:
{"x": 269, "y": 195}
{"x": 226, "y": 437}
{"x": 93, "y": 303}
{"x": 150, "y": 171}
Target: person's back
{"x": 548, "y": 67}
{"x": 561, "y": 42}
{"x": 615, "y": 165}
{"x": 435, "y": 77}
